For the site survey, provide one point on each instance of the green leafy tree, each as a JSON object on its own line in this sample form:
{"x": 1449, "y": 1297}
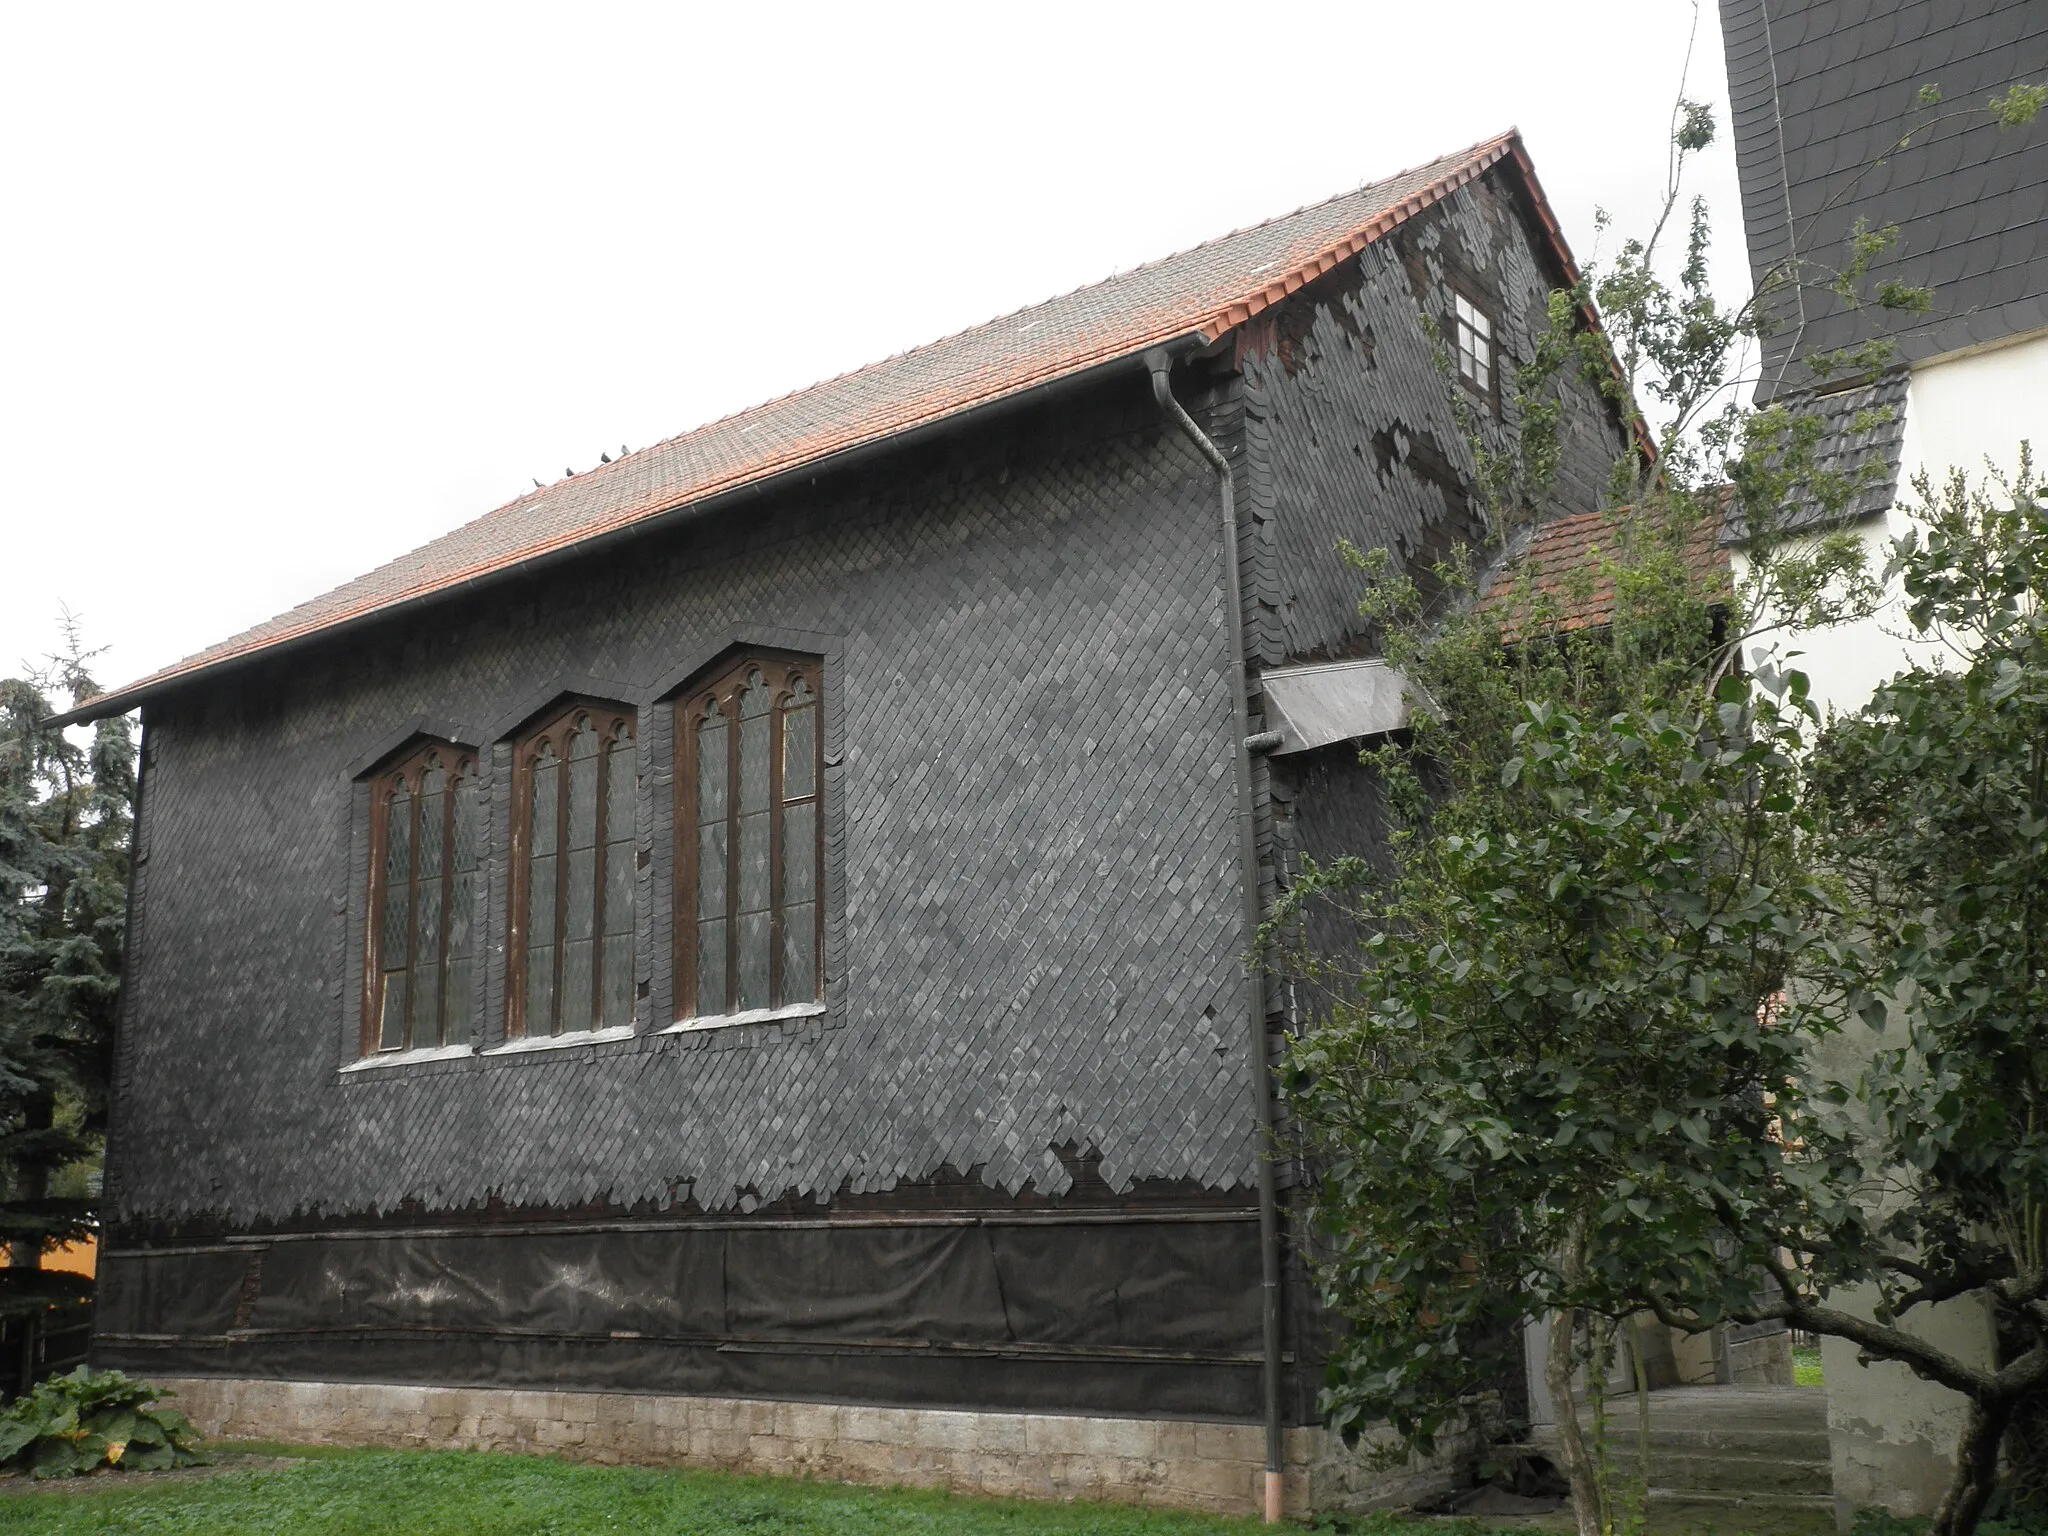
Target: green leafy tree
{"x": 1571, "y": 1072}
{"x": 1934, "y": 806}
{"x": 66, "y": 816}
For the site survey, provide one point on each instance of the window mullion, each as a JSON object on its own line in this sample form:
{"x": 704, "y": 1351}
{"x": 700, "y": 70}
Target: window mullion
{"x": 447, "y": 901}
{"x": 412, "y": 913}
{"x": 775, "y": 744}
{"x": 597, "y": 876}
{"x": 732, "y": 849}
{"x": 561, "y": 877}
{"x": 818, "y": 839}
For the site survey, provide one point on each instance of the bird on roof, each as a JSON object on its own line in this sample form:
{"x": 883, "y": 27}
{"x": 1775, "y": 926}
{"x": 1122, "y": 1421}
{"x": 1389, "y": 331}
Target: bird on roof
{"x": 538, "y": 486}
{"x": 604, "y": 458}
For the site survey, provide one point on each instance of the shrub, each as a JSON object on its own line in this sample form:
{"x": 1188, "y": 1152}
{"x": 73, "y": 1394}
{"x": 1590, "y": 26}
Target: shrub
{"x": 89, "y": 1419}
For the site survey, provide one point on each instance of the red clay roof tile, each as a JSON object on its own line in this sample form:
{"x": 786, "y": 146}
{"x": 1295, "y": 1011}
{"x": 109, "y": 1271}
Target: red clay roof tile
{"x": 1565, "y": 564}
{"x": 1204, "y": 291}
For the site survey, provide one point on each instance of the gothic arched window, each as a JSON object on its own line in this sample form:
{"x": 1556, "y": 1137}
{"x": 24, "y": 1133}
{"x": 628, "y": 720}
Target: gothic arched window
{"x": 574, "y": 836}
{"x": 749, "y": 839}
{"x": 425, "y": 823}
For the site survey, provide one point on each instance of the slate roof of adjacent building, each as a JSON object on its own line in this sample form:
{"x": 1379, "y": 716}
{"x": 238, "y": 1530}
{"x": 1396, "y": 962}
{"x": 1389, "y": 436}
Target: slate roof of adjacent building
{"x": 1562, "y": 578}
{"x": 1862, "y": 435}
{"x": 1821, "y": 91}
{"x": 1200, "y": 293}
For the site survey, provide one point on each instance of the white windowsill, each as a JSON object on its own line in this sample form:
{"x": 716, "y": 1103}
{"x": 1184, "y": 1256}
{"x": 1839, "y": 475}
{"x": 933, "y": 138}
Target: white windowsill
{"x": 562, "y": 1042}
{"x": 410, "y": 1058}
{"x": 751, "y": 1016}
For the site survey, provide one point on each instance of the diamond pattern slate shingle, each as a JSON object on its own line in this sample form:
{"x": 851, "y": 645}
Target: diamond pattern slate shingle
{"x": 1038, "y": 867}
{"x": 1204, "y": 291}
{"x": 1820, "y": 91}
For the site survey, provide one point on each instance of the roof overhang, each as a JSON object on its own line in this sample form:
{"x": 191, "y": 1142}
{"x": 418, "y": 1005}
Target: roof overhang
{"x": 828, "y": 450}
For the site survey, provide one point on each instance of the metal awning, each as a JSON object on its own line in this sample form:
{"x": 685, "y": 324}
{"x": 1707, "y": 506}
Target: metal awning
{"x": 1313, "y": 706}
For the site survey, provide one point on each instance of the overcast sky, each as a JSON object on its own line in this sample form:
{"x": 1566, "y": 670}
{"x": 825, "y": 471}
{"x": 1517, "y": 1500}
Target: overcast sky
{"x": 286, "y": 290}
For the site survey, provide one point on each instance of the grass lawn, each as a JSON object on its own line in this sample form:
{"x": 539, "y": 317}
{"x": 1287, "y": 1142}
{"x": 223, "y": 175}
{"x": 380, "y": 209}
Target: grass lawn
{"x": 279, "y": 1490}
{"x": 455, "y": 1493}
{"x": 1806, "y": 1371}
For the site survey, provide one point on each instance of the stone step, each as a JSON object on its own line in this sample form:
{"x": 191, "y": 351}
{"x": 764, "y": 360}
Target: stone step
{"x": 1789, "y": 1444}
{"x": 1723, "y": 1500}
{"x": 1740, "y": 1474}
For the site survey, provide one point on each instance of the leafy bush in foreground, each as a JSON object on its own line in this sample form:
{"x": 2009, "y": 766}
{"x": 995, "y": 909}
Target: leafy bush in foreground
{"x": 89, "y": 1419}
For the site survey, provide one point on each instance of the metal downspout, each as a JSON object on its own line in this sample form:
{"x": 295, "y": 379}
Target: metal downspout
{"x": 1160, "y": 363}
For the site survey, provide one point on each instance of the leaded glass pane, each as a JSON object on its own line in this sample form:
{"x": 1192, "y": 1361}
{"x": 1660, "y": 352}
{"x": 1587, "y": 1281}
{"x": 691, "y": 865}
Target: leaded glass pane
{"x": 712, "y": 768}
{"x": 799, "y": 749}
{"x": 800, "y": 953}
{"x": 711, "y": 870}
{"x": 618, "y": 888}
{"x": 540, "y": 989}
{"x": 540, "y": 894}
{"x": 546, "y": 771}
{"x": 577, "y": 957}
{"x": 391, "y": 1033}
{"x": 583, "y": 786}
{"x": 754, "y": 863}
{"x": 397, "y": 885}
{"x": 617, "y": 996}
{"x": 462, "y": 867}
{"x": 755, "y": 938}
{"x": 799, "y": 852}
{"x": 433, "y": 823}
{"x": 621, "y": 815}
{"x": 711, "y": 966}
{"x": 621, "y": 801}
{"x": 426, "y": 909}
{"x": 426, "y": 997}
{"x": 455, "y": 995}
{"x": 756, "y": 702}
{"x": 580, "y": 907}
{"x": 394, "y": 923}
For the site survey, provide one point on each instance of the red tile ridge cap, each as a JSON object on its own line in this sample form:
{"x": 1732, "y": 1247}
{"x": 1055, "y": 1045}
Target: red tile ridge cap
{"x": 1169, "y": 323}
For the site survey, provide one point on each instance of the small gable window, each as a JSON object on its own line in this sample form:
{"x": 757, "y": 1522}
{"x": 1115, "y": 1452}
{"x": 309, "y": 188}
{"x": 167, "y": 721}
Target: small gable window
{"x": 1475, "y": 346}
{"x": 749, "y": 842}
{"x": 425, "y": 821}
{"x": 574, "y": 856}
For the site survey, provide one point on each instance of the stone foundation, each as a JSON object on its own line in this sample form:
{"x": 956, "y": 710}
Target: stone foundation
{"x": 1219, "y": 1468}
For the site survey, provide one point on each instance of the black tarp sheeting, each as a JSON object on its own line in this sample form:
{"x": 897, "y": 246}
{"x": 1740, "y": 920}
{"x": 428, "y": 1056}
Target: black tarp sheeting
{"x": 1141, "y": 1316}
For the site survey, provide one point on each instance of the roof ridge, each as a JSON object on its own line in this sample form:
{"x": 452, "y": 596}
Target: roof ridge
{"x": 1456, "y": 157}
{"x": 1215, "y": 291}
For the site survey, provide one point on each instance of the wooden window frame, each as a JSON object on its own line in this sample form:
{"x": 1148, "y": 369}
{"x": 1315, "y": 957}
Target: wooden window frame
{"x": 724, "y": 681}
{"x": 406, "y": 771}
{"x": 554, "y": 729}
{"x": 1489, "y": 392}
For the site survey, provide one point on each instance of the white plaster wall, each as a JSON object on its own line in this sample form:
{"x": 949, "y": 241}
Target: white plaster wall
{"x": 1892, "y": 1434}
{"x": 1960, "y": 412}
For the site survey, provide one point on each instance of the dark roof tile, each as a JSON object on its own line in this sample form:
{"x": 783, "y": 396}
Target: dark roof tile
{"x": 1820, "y": 89}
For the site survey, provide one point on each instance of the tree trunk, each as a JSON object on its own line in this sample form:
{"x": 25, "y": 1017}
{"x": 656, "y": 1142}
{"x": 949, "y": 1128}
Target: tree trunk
{"x": 1578, "y": 1463}
{"x": 1976, "y": 1469}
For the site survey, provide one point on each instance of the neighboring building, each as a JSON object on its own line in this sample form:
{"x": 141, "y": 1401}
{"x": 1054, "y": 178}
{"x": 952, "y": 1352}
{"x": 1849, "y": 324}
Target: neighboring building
{"x": 1822, "y": 92}
{"x": 756, "y": 927}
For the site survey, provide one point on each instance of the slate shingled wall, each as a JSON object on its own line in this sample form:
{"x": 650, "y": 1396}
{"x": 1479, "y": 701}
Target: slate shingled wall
{"x": 1036, "y": 923}
{"x": 1350, "y": 426}
{"x": 1034, "y": 1006}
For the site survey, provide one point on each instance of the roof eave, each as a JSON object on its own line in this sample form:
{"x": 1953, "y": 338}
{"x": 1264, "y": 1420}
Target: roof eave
{"x": 123, "y": 700}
